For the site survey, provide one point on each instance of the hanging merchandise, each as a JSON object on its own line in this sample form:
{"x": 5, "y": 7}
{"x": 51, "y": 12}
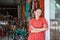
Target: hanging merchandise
{"x": 36, "y": 4}
{"x": 23, "y": 11}
{"x": 27, "y": 10}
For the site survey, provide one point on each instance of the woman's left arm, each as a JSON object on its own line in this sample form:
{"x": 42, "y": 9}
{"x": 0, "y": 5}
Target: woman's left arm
{"x": 42, "y": 29}
{"x": 36, "y": 30}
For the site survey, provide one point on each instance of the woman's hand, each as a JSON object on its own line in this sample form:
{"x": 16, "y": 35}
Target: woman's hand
{"x": 35, "y": 31}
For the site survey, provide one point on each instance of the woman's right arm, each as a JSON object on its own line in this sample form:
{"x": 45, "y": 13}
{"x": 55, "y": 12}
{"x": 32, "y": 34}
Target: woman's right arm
{"x": 33, "y": 30}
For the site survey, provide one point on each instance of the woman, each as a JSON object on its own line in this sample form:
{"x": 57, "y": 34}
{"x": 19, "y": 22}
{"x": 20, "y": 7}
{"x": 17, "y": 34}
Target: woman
{"x": 38, "y": 26}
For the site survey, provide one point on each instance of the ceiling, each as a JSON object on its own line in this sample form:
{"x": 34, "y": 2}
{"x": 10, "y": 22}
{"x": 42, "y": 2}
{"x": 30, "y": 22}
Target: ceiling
{"x": 9, "y": 1}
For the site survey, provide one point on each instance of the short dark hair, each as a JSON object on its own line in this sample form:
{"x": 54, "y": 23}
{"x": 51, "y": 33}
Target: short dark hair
{"x": 36, "y": 9}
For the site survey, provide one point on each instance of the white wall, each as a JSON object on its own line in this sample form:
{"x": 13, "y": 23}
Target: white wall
{"x": 47, "y": 16}
{"x": 52, "y": 9}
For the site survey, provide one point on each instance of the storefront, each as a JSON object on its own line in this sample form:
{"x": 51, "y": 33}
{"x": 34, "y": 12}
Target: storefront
{"x": 22, "y": 11}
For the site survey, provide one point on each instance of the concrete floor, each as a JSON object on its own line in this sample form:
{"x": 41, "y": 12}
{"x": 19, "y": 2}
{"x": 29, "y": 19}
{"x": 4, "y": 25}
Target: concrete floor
{"x": 6, "y": 38}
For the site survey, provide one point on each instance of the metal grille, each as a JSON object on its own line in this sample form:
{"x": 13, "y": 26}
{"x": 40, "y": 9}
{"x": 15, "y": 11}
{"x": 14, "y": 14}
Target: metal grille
{"x": 55, "y": 30}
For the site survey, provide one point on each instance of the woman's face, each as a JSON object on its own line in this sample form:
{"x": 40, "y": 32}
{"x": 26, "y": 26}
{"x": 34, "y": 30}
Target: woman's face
{"x": 38, "y": 12}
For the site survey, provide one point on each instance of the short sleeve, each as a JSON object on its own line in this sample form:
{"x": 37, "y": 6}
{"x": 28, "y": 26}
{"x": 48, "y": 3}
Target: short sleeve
{"x": 30, "y": 23}
{"x": 45, "y": 22}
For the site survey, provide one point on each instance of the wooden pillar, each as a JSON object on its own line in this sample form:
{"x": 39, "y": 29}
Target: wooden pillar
{"x": 42, "y": 6}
